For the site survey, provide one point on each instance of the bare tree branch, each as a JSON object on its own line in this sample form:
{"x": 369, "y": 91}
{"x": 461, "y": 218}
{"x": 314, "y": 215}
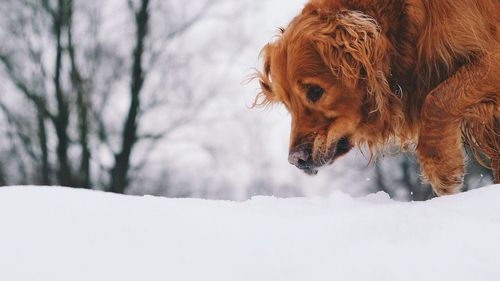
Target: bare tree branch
{"x": 15, "y": 121}
{"x": 37, "y": 100}
{"x": 48, "y": 8}
{"x": 177, "y": 31}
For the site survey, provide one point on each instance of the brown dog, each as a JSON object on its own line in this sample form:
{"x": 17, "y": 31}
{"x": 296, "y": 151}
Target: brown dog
{"x": 356, "y": 72}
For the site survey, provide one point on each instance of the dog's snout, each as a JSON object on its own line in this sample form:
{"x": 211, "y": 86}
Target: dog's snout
{"x": 300, "y": 157}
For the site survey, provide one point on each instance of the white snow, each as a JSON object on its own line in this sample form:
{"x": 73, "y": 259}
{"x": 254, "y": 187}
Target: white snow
{"x": 63, "y": 234}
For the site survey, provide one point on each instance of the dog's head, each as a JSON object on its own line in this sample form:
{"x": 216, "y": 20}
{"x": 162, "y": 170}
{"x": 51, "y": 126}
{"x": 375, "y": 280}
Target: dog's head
{"x": 329, "y": 69}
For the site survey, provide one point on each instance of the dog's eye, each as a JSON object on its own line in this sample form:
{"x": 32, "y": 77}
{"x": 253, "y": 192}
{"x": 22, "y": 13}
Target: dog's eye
{"x": 314, "y": 93}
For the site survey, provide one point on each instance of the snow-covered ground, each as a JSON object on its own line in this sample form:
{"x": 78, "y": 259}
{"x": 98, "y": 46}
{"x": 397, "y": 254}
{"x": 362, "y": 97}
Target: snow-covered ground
{"x": 58, "y": 234}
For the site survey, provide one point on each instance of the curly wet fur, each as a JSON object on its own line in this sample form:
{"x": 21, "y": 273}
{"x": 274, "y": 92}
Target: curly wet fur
{"x": 445, "y": 55}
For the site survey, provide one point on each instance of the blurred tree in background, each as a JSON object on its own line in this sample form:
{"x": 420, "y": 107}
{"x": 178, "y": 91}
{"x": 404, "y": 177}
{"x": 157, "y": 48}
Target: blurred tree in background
{"x": 63, "y": 87}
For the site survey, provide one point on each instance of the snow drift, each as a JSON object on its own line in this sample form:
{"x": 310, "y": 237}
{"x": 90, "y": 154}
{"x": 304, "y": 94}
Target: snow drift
{"x": 65, "y": 234}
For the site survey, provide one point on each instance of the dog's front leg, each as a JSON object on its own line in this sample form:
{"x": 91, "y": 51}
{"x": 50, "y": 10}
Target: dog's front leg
{"x": 439, "y": 148}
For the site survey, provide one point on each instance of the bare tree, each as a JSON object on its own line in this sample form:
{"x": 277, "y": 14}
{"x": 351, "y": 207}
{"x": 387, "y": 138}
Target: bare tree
{"x": 53, "y": 106}
{"x": 120, "y": 170}
{"x": 69, "y": 81}
{"x": 82, "y": 104}
{"x": 145, "y": 58}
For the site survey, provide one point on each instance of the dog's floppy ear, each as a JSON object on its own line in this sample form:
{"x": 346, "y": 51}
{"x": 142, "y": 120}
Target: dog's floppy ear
{"x": 351, "y": 45}
{"x": 266, "y": 95}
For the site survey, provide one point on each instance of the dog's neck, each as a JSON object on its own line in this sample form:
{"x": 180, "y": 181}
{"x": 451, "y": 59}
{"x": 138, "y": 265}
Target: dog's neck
{"x": 400, "y": 31}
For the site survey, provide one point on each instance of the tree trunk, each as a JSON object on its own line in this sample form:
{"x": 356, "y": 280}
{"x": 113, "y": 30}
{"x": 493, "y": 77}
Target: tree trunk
{"x": 42, "y": 136}
{"x": 82, "y": 105}
{"x": 119, "y": 173}
{"x": 62, "y": 119}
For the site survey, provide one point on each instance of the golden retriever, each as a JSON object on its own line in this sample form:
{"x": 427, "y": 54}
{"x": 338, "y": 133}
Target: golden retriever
{"x": 417, "y": 73}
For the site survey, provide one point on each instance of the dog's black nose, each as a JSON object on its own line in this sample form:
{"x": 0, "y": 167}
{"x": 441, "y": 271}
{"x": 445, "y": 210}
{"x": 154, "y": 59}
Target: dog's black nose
{"x": 300, "y": 157}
